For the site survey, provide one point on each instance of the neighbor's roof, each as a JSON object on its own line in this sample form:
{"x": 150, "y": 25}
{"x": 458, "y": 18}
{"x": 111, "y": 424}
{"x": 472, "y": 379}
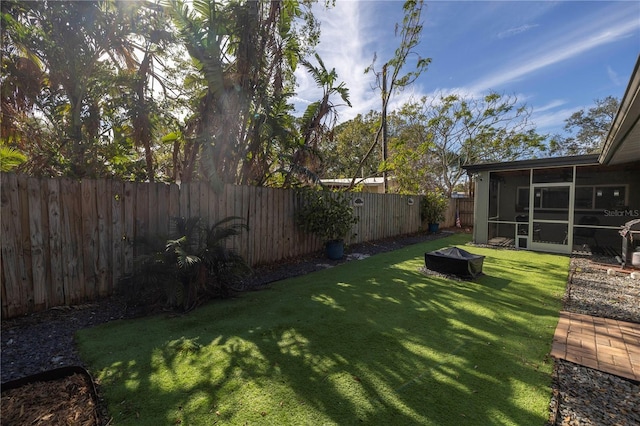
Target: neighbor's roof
{"x": 359, "y": 181}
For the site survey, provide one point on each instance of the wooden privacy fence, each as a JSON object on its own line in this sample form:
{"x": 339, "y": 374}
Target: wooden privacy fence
{"x": 464, "y": 209}
{"x": 66, "y": 242}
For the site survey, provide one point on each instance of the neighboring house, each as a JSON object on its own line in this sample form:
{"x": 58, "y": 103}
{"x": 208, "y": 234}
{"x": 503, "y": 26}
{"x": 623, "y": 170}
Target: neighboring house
{"x": 565, "y": 204}
{"x": 371, "y": 184}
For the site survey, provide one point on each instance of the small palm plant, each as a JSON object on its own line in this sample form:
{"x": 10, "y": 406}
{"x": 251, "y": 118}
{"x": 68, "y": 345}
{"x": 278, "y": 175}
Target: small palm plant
{"x": 194, "y": 266}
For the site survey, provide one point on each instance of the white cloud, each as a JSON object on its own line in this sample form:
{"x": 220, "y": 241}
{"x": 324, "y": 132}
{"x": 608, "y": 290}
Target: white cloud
{"x": 614, "y": 77}
{"x": 343, "y": 47}
{"x": 550, "y": 121}
{"x": 515, "y": 31}
{"x": 551, "y": 105}
{"x": 561, "y": 46}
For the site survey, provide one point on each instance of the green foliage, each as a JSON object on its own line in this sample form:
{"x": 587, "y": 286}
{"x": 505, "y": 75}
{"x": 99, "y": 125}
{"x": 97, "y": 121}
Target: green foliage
{"x": 588, "y": 129}
{"x": 432, "y": 207}
{"x": 10, "y": 158}
{"x": 436, "y": 136}
{"x": 192, "y": 266}
{"x": 89, "y": 88}
{"x": 245, "y": 55}
{"x": 341, "y": 154}
{"x": 327, "y": 214}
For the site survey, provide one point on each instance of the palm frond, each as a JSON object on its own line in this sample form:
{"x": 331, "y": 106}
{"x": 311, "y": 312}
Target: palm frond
{"x": 10, "y": 158}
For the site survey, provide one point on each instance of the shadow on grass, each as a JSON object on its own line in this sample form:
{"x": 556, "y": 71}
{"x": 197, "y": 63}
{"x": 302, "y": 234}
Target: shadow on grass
{"x": 373, "y": 342}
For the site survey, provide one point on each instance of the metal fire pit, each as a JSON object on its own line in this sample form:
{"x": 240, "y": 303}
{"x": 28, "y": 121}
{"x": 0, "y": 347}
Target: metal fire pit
{"x": 454, "y": 261}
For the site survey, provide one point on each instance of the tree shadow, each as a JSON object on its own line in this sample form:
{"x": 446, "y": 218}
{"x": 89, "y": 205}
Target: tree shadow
{"x": 343, "y": 346}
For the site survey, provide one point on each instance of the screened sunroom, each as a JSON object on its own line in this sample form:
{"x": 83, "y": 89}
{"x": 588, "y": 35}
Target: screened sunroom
{"x": 561, "y": 205}
{"x": 565, "y": 204}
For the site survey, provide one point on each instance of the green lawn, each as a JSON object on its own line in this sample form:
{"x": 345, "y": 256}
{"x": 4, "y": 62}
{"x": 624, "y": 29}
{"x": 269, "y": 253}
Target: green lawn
{"x": 367, "y": 342}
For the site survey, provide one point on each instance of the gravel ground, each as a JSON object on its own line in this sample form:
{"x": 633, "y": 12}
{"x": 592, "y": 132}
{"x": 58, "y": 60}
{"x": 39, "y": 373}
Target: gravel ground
{"x": 581, "y": 396}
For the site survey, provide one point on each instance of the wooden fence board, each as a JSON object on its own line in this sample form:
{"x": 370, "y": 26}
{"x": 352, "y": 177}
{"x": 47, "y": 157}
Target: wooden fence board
{"x": 257, "y": 229}
{"x": 47, "y": 290}
{"x": 184, "y": 200}
{"x": 103, "y": 259}
{"x": 246, "y": 206}
{"x": 129, "y": 226}
{"x": 117, "y": 232}
{"x": 25, "y": 237}
{"x": 174, "y": 204}
{"x": 38, "y": 266}
{"x": 162, "y": 208}
{"x": 194, "y": 199}
{"x": 89, "y": 237}
{"x": 204, "y": 193}
{"x": 14, "y": 298}
{"x": 287, "y": 217}
{"x": 279, "y": 228}
{"x": 66, "y": 242}
{"x": 213, "y": 208}
{"x": 230, "y": 207}
{"x": 152, "y": 208}
{"x": 250, "y": 220}
{"x": 142, "y": 209}
{"x": 72, "y": 260}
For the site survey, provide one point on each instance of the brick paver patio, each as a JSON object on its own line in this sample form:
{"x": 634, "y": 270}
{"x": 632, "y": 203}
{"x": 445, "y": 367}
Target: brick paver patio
{"x": 603, "y": 344}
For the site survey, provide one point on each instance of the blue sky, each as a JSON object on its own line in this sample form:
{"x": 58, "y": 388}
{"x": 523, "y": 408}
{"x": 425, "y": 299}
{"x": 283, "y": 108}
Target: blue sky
{"x": 557, "y": 57}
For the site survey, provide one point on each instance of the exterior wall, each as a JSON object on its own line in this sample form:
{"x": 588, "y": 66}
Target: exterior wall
{"x": 572, "y": 208}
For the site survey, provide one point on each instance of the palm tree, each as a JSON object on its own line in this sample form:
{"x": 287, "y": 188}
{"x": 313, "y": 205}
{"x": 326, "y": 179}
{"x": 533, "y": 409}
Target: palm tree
{"x": 73, "y": 51}
{"x": 319, "y": 118}
{"x": 245, "y": 53}
{"x": 192, "y": 266}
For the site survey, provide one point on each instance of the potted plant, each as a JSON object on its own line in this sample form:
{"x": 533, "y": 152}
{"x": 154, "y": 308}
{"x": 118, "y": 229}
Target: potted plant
{"x": 432, "y": 208}
{"x": 329, "y": 215}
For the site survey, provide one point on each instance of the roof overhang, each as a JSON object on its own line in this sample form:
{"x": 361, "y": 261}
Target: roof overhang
{"x": 623, "y": 140}
{"x": 574, "y": 160}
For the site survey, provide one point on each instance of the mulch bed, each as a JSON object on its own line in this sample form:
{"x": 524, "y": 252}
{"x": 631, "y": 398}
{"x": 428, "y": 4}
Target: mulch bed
{"x": 65, "y": 401}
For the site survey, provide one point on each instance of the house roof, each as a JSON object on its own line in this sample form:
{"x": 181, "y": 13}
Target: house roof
{"x": 622, "y": 144}
{"x": 359, "y": 181}
{"x": 574, "y": 160}
{"x": 623, "y": 141}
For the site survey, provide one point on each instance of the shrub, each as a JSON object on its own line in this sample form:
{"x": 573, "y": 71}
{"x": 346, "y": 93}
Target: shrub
{"x": 192, "y": 266}
{"x": 329, "y": 215}
{"x": 432, "y": 207}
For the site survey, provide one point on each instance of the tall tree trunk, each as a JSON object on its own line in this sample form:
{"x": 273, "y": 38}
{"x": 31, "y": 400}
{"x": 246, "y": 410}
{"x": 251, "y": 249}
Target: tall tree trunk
{"x": 141, "y": 119}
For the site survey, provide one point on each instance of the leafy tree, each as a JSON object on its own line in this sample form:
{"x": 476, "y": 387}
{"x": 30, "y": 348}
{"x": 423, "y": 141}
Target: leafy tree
{"x": 73, "y": 51}
{"x": 438, "y": 135}
{"x": 245, "y": 54}
{"x": 101, "y": 88}
{"x": 69, "y": 39}
{"x": 590, "y": 128}
{"x": 389, "y": 79}
{"x": 342, "y": 154}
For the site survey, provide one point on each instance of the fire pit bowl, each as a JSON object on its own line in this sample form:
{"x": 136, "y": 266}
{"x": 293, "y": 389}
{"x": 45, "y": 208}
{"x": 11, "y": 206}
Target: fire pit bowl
{"x": 454, "y": 261}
